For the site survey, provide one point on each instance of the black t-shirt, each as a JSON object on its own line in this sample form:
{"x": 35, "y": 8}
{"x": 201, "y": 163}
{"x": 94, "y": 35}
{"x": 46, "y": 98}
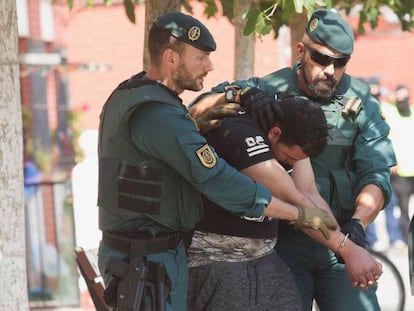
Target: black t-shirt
{"x": 241, "y": 143}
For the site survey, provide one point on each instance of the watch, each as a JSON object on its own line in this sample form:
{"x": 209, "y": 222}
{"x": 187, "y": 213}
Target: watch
{"x": 231, "y": 93}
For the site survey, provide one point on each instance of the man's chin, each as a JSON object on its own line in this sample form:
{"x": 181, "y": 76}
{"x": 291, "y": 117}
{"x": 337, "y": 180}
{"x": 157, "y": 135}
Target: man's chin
{"x": 197, "y": 87}
{"x": 322, "y": 94}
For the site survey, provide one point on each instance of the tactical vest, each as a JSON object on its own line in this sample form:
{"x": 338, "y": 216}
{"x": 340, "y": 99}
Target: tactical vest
{"x": 135, "y": 189}
{"x": 333, "y": 168}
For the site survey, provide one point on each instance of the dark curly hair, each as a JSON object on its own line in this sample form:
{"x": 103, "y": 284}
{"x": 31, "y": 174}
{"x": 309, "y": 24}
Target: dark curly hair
{"x": 303, "y": 123}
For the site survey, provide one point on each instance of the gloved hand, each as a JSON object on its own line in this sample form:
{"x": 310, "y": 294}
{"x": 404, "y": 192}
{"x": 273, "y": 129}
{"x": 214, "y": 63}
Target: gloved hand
{"x": 356, "y": 233}
{"x": 315, "y": 218}
{"x": 261, "y": 107}
{"x": 213, "y": 117}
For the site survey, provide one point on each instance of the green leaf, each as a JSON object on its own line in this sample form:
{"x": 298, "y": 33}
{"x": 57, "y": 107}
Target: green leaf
{"x": 227, "y": 8}
{"x": 129, "y": 9}
{"x": 298, "y": 6}
{"x": 266, "y": 28}
{"x": 251, "y": 20}
{"x": 187, "y": 6}
{"x": 211, "y": 8}
{"x": 70, "y": 4}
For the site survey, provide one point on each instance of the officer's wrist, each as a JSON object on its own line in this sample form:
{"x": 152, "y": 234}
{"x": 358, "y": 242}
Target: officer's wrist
{"x": 359, "y": 221}
{"x": 232, "y": 94}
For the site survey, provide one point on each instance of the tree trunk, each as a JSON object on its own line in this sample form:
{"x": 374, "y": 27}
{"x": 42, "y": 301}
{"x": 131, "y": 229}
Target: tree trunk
{"x": 297, "y": 29}
{"x": 13, "y": 285}
{"x": 153, "y": 9}
{"x": 244, "y": 45}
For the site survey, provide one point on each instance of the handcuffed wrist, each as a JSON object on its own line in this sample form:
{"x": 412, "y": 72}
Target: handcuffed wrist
{"x": 342, "y": 245}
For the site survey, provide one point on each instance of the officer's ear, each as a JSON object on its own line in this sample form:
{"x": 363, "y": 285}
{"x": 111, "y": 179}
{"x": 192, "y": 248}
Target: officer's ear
{"x": 274, "y": 134}
{"x": 170, "y": 57}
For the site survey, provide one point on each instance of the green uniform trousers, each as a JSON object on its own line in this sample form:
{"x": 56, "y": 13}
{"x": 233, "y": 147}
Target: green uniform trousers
{"x": 319, "y": 276}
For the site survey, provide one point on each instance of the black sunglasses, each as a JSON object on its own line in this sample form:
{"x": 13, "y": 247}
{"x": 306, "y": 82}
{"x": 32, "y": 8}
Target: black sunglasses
{"x": 326, "y": 60}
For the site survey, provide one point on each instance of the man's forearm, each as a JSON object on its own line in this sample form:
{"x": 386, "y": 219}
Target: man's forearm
{"x": 368, "y": 203}
{"x": 206, "y": 102}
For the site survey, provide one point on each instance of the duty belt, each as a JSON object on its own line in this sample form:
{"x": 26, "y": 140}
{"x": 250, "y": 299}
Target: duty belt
{"x": 139, "y": 247}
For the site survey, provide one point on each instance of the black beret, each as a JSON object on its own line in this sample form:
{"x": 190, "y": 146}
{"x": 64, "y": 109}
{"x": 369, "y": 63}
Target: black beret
{"x": 187, "y": 29}
{"x": 330, "y": 29}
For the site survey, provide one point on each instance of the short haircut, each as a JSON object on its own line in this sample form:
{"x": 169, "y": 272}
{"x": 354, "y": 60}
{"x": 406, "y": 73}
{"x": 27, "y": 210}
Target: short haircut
{"x": 160, "y": 39}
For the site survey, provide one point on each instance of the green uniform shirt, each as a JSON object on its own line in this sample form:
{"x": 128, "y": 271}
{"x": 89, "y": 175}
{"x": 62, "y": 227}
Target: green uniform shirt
{"x": 148, "y": 127}
{"x": 358, "y": 152}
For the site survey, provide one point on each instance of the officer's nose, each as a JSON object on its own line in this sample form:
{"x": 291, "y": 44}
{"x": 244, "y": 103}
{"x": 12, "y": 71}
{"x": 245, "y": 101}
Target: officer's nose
{"x": 209, "y": 65}
{"x": 329, "y": 69}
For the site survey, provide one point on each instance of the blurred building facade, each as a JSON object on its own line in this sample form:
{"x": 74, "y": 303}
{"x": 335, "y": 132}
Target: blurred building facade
{"x": 71, "y": 60}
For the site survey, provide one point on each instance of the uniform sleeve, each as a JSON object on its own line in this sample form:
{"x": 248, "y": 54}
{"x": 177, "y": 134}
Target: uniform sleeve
{"x": 240, "y": 142}
{"x": 164, "y": 132}
{"x": 374, "y": 153}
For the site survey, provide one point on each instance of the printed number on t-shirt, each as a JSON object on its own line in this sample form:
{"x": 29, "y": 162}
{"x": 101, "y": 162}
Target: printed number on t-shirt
{"x": 256, "y": 145}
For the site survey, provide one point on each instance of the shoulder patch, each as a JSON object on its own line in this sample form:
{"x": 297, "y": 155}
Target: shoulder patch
{"x": 206, "y": 156}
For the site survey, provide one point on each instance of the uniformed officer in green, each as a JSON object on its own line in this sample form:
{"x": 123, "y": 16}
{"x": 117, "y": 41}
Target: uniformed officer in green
{"x": 352, "y": 174}
{"x": 154, "y": 165}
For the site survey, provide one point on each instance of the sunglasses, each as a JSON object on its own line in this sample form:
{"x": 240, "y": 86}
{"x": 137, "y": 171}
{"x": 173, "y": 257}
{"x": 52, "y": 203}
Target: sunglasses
{"x": 326, "y": 60}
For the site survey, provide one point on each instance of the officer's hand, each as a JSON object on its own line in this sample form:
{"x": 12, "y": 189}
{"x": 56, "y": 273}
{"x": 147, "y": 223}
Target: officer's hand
{"x": 315, "y": 218}
{"x": 213, "y": 117}
{"x": 263, "y": 108}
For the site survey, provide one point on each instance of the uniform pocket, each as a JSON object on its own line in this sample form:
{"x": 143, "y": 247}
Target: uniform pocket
{"x": 342, "y": 194}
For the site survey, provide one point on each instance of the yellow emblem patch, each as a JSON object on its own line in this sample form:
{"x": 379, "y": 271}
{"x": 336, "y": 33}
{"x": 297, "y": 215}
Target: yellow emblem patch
{"x": 313, "y": 24}
{"x": 194, "y": 33}
{"x": 206, "y": 156}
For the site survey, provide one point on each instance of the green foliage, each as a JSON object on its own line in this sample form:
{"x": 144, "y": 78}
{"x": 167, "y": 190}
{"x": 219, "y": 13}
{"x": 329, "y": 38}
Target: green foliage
{"x": 129, "y": 9}
{"x": 211, "y": 8}
{"x": 129, "y": 6}
{"x": 280, "y": 12}
{"x": 273, "y": 14}
{"x": 257, "y": 22}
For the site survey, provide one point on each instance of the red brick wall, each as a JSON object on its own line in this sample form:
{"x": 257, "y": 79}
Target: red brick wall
{"x": 101, "y": 35}
{"x": 104, "y": 35}
{"x": 33, "y": 8}
{"x": 386, "y": 56}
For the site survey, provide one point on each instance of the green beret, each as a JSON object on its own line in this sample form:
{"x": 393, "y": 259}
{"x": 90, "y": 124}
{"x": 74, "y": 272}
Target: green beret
{"x": 187, "y": 29}
{"x": 330, "y": 29}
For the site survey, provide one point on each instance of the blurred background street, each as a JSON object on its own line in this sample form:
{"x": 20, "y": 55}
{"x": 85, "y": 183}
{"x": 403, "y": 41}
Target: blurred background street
{"x": 70, "y": 61}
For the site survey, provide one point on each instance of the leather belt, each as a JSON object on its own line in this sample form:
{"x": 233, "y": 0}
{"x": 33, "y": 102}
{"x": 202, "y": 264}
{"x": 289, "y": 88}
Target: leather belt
{"x": 139, "y": 247}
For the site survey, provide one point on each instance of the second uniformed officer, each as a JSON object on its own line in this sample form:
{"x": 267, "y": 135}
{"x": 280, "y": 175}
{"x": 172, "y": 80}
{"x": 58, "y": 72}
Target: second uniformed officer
{"x": 352, "y": 173}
